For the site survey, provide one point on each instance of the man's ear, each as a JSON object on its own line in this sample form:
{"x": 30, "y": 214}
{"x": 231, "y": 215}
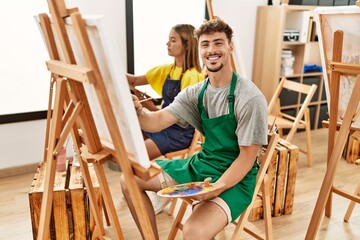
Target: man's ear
{"x": 231, "y": 49}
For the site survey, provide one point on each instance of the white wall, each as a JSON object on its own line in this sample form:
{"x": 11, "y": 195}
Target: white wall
{"x": 241, "y": 15}
{"x": 152, "y": 40}
{"x": 22, "y": 55}
{"x": 22, "y": 143}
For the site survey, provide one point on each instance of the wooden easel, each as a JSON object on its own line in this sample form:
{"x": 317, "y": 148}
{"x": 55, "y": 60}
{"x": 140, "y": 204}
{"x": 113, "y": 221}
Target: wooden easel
{"x": 212, "y": 16}
{"x": 335, "y": 148}
{"x": 233, "y": 65}
{"x": 71, "y": 114}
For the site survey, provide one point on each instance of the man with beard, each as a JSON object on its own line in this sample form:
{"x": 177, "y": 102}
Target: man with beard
{"x": 231, "y": 112}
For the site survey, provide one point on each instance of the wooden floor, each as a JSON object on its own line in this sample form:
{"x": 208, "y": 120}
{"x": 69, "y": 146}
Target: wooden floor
{"x": 15, "y": 220}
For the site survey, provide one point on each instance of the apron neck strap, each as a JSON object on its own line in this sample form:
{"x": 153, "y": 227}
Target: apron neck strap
{"x": 231, "y": 96}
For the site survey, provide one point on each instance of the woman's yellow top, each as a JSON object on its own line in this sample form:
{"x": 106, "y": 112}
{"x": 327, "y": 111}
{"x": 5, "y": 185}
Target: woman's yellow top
{"x": 156, "y": 76}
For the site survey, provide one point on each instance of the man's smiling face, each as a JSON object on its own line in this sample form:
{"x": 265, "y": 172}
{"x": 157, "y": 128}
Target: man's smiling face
{"x": 214, "y": 50}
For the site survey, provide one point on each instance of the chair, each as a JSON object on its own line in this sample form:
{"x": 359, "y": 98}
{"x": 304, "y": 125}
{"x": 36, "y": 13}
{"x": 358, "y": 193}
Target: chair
{"x": 302, "y": 119}
{"x": 261, "y": 197}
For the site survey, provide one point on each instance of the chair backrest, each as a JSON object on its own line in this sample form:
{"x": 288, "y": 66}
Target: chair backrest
{"x": 300, "y": 88}
{"x": 265, "y": 159}
{"x": 264, "y": 162}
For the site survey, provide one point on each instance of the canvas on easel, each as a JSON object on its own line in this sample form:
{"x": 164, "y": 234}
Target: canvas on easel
{"x": 343, "y": 84}
{"x": 337, "y": 145}
{"x": 329, "y": 20}
{"x": 92, "y": 102}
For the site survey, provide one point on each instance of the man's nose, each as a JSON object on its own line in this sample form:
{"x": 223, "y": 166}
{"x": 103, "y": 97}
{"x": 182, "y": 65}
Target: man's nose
{"x": 211, "y": 48}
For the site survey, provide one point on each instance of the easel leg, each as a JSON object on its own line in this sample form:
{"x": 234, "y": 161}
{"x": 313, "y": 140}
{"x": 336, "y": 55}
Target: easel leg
{"x": 109, "y": 204}
{"x": 55, "y": 132}
{"x": 334, "y": 104}
{"x": 105, "y": 211}
{"x": 92, "y": 197}
{"x": 308, "y": 137}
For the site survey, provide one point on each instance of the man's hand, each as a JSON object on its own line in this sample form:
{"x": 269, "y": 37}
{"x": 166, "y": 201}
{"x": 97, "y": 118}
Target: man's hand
{"x": 137, "y": 104}
{"x": 216, "y": 190}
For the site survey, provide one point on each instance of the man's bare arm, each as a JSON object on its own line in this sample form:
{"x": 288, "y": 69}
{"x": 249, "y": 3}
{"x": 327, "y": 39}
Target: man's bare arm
{"x": 153, "y": 121}
{"x": 240, "y": 167}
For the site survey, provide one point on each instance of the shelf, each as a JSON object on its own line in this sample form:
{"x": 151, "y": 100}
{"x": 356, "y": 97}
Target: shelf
{"x": 313, "y": 74}
{"x": 289, "y": 43}
{"x": 292, "y": 75}
{"x": 272, "y": 21}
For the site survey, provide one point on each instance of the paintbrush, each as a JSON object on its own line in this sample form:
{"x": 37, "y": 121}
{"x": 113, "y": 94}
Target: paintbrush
{"x": 144, "y": 100}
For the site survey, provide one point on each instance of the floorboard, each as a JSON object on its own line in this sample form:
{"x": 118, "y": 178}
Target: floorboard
{"x": 15, "y": 221}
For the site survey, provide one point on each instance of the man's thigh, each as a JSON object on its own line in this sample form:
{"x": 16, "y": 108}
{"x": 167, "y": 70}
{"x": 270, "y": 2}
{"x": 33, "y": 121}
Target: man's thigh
{"x": 209, "y": 215}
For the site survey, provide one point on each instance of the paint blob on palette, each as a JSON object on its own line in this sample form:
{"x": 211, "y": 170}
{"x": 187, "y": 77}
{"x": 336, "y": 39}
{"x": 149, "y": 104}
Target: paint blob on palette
{"x": 185, "y": 190}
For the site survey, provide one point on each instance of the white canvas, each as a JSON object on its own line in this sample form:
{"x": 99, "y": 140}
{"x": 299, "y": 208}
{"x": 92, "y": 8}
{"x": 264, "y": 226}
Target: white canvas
{"x": 113, "y": 74}
{"x": 329, "y": 20}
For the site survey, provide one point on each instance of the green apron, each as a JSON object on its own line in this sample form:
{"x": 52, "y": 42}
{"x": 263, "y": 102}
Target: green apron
{"x": 219, "y": 151}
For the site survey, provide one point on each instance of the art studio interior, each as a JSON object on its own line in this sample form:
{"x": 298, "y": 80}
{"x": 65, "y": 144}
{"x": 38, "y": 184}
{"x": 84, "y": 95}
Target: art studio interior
{"x": 117, "y": 120}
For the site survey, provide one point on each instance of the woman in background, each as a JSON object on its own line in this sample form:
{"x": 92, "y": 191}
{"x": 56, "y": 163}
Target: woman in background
{"x": 168, "y": 80}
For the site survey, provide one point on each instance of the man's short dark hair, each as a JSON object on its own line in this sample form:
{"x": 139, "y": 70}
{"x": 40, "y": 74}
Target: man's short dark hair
{"x": 214, "y": 25}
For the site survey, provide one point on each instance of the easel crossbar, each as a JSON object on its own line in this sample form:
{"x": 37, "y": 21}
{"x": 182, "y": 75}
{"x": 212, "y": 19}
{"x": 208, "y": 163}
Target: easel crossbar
{"x": 75, "y": 72}
{"x": 68, "y": 127}
{"x": 345, "y": 68}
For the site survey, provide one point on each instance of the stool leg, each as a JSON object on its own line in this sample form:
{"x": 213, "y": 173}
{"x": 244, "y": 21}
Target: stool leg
{"x": 177, "y": 222}
{"x": 267, "y": 208}
{"x": 172, "y": 207}
{"x": 308, "y": 138}
{"x": 351, "y": 205}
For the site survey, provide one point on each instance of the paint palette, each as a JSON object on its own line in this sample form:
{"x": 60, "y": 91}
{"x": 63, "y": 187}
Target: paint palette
{"x": 185, "y": 190}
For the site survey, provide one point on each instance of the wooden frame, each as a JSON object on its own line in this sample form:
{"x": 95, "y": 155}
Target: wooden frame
{"x": 72, "y": 113}
{"x": 329, "y": 20}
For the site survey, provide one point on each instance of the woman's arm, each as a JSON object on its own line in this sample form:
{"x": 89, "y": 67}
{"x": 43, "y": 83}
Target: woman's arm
{"x": 136, "y": 80}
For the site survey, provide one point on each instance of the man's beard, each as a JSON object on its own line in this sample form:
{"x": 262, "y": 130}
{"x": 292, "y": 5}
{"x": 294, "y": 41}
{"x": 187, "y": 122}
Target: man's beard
{"x": 215, "y": 69}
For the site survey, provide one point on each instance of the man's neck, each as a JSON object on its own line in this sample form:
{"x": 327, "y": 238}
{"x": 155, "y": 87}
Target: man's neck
{"x": 221, "y": 78}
